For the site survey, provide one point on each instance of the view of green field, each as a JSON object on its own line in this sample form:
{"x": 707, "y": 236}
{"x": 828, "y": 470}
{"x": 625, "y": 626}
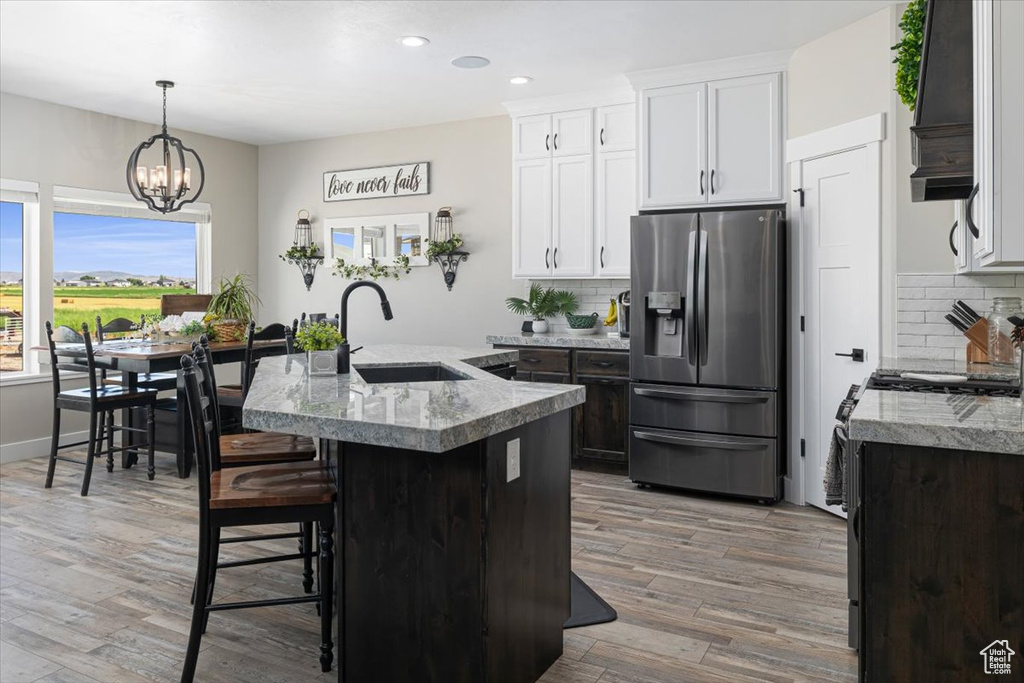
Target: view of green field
{"x": 74, "y": 305}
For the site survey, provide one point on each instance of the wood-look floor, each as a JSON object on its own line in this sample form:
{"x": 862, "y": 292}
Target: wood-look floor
{"x": 96, "y": 589}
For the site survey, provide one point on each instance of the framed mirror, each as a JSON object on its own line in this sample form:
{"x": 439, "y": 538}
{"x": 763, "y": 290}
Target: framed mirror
{"x": 360, "y": 239}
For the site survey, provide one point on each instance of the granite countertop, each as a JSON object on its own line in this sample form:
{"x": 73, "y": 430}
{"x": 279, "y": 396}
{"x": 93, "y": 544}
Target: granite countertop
{"x": 598, "y": 340}
{"x": 895, "y": 366}
{"x": 989, "y": 424}
{"x": 425, "y": 416}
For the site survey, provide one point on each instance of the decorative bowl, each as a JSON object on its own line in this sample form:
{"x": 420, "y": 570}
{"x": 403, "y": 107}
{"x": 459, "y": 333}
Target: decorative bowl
{"x": 581, "y": 331}
{"x": 581, "y": 322}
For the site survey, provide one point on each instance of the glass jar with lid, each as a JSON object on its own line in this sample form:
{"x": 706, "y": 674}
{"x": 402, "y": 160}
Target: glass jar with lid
{"x": 1000, "y": 346}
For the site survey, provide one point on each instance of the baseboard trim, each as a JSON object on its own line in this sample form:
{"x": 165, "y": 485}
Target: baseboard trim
{"x": 34, "y": 448}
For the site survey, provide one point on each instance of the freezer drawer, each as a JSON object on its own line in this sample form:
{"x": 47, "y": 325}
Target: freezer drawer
{"x": 734, "y": 465}
{"x": 725, "y": 411}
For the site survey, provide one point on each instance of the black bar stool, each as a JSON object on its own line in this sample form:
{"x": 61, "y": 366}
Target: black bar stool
{"x": 299, "y": 492}
{"x": 100, "y": 401}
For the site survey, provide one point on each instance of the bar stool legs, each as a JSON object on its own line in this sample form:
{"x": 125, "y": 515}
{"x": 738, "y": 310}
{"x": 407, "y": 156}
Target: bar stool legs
{"x": 110, "y": 440}
{"x": 94, "y": 435}
{"x": 306, "y": 548}
{"x": 53, "y": 448}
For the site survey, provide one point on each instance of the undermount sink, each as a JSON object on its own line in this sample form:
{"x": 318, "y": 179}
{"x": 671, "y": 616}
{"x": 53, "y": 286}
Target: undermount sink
{"x": 393, "y": 374}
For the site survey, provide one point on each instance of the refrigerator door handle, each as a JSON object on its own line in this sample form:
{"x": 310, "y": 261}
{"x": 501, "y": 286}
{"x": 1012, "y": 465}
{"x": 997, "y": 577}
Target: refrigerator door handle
{"x": 702, "y": 296}
{"x": 683, "y": 395}
{"x": 691, "y": 300}
{"x": 702, "y": 443}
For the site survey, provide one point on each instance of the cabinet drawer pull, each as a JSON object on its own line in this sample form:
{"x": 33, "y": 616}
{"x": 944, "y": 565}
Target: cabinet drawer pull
{"x": 556, "y": 141}
{"x": 530, "y": 360}
{"x": 702, "y": 183}
{"x": 712, "y": 181}
{"x": 601, "y": 363}
{"x": 970, "y": 219}
{"x": 554, "y": 257}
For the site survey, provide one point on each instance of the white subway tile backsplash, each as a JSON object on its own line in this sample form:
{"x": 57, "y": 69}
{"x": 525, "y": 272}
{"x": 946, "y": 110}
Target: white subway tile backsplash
{"x": 593, "y": 296}
{"x": 922, "y": 301}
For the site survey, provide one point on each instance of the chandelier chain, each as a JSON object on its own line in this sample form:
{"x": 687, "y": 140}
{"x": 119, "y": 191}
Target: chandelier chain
{"x": 165, "y": 109}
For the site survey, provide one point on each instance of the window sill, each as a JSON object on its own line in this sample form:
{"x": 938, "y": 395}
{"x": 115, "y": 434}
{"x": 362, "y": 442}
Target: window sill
{"x": 24, "y": 378}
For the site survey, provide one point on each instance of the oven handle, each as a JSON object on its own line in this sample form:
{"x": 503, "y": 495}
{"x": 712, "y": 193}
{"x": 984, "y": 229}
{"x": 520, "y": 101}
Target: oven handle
{"x": 691, "y": 441}
{"x": 683, "y": 395}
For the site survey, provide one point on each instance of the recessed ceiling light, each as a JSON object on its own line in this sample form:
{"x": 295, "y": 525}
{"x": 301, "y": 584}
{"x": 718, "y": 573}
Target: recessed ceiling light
{"x": 519, "y": 80}
{"x": 413, "y": 41}
{"x": 470, "y": 62}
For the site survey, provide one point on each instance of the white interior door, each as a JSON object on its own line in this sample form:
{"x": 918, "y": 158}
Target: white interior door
{"x": 744, "y": 139}
{"x": 531, "y": 218}
{"x": 841, "y": 295}
{"x": 573, "y": 216}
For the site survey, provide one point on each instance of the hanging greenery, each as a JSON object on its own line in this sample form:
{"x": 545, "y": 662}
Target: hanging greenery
{"x": 435, "y": 248}
{"x": 908, "y": 51}
{"x": 296, "y": 254}
{"x": 373, "y": 270}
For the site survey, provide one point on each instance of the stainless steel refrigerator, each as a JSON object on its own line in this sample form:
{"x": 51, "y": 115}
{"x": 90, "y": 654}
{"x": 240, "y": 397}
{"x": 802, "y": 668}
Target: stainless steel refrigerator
{"x": 706, "y": 403}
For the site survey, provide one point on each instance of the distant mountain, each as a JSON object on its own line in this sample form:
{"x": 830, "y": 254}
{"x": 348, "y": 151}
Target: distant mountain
{"x": 10, "y": 275}
{"x": 108, "y": 275}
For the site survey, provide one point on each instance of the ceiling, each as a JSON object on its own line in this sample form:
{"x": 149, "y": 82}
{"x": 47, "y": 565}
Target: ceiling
{"x": 278, "y": 71}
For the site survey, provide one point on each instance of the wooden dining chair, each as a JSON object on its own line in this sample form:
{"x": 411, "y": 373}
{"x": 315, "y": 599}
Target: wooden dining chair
{"x": 299, "y": 492}
{"x": 161, "y": 381}
{"x": 101, "y": 402}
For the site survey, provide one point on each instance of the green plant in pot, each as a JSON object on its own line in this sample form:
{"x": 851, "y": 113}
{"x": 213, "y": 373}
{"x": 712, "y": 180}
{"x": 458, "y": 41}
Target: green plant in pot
{"x": 231, "y": 308}
{"x": 320, "y": 341}
{"x": 542, "y": 303}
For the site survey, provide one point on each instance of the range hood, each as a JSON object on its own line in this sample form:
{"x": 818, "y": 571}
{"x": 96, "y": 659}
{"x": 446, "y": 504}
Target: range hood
{"x": 942, "y": 137}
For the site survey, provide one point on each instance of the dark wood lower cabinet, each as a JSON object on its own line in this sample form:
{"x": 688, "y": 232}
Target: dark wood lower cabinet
{"x": 942, "y": 562}
{"x": 600, "y": 426}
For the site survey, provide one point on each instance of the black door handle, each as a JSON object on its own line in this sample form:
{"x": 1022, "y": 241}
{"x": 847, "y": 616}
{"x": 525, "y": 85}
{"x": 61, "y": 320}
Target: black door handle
{"x": 712, "y": 181}
{"x": 602, "y": 137}
{"x": 952, "y": 247}
{"x": 602, "y": 257}
{"x": 970, "y": 219}
{"x": 547, "y": 139}
{"x": 856, "y": 355}
{"x": 554, "y": 257}
{"x": 702, "y": 183}
{"x": 556, "y": 140}
{"x": 547, "y": 252}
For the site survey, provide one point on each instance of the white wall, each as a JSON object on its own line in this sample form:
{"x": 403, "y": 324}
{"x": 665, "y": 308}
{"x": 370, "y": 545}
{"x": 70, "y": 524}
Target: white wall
{"x": 55, "y": 145}
{"x": 470, "y": 170}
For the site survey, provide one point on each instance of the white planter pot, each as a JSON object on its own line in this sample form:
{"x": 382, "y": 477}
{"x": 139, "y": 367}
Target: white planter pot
{"x": 322, "y": 362}
{"x": 540, "y": 326}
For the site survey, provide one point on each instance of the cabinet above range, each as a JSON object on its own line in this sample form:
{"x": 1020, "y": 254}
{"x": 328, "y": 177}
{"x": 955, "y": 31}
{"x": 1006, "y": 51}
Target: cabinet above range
{"x": 573, "y": 185}
{"x": 711, "y": 133}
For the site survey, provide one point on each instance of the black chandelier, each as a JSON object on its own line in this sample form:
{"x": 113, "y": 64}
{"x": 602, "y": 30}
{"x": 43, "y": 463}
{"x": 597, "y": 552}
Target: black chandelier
{"x": 166, "y": 186}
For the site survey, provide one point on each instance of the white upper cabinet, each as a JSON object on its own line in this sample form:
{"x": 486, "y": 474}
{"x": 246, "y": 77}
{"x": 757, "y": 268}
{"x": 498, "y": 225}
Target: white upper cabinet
{"x": 532, "y": 137}
{"x": 574, "y": 187}
{"x": 997, "y": 203}
{"x": 572, "y": 225}
{"x": 531, "y": 218}
{"x": 572, "y": 132}
{"x": 744, "y": 139}
{"x": 717, "y": 141}
{"x": 673, "y": 146}
{"x": 615, "y": 205}
{"x": 616, "y": 128}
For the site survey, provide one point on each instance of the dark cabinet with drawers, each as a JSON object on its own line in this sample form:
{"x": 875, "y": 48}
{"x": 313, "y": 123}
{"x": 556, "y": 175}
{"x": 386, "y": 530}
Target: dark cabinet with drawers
{"x": 600, "y": 425}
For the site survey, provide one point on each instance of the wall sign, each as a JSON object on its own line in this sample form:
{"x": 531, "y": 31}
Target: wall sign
{"x": 375, "y": 183}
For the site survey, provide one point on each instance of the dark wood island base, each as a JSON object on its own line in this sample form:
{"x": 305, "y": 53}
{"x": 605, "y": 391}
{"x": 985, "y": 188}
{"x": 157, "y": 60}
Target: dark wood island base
{"x": 447, "y": 571}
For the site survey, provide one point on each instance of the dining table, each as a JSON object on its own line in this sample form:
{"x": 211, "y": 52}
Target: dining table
{"x": 134, "y": 357}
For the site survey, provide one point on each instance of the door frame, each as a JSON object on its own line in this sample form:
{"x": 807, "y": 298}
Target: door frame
{"x": 869, "y": 133}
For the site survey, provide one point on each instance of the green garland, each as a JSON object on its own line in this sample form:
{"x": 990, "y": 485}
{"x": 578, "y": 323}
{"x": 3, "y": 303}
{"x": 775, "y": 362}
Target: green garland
{"x": 373, "y": 270}
{"x": 908, "y": 52}
{"x": 435, "y": 249}
{"x": 295, "y": 253}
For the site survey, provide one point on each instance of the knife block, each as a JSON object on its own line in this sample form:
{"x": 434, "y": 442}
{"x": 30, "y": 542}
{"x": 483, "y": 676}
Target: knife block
{"x": 977, "y": 342}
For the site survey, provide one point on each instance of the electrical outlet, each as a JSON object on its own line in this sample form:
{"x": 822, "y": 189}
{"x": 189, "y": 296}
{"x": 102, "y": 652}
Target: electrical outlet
{"x": 512, "y": 460}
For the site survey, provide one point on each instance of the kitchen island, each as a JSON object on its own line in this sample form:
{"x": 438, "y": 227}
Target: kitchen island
{"x": 453, "y": 508}
{"x": 939, "y": 519}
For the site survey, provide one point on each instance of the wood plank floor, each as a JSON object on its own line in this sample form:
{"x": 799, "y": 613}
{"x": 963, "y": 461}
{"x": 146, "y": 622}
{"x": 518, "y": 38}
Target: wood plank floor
{"x": 96, "y": 589}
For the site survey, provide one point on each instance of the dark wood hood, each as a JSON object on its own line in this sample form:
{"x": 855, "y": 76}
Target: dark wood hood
{"x": 942, "y": 137}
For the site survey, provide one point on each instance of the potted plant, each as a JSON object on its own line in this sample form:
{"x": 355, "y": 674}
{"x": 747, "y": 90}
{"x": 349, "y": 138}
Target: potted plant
{"x": 320, "y": 341}
{"x": 231, "y": 308}
{"x": 543, "y": 303}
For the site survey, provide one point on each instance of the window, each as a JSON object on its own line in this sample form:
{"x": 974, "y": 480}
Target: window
{"x": 114, "y": 267}
{"x": 12, "y": 273}
{"x": 113, "y": 258}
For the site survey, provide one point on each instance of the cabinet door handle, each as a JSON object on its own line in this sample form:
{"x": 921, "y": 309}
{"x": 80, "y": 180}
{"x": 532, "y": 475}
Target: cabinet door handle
{"x": 547, "y": 252}
{"x": 970, "y": 219}
{"x": 952, "y": 247}
{"x": 556, "y": 140}
{"x": 554, "y": 257}
{"x": 712, "y": 181}
{"x": 529, "y": 360}
{"x": 601, "y": 137}
{"x": 547, "y": 139}
{"x": 601, "y": 363}
{"x": 602, "y": 257}
{"x": 854, "y": 355}
{"x": 699, "y": 443}
{"x": 702, "y": 182}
